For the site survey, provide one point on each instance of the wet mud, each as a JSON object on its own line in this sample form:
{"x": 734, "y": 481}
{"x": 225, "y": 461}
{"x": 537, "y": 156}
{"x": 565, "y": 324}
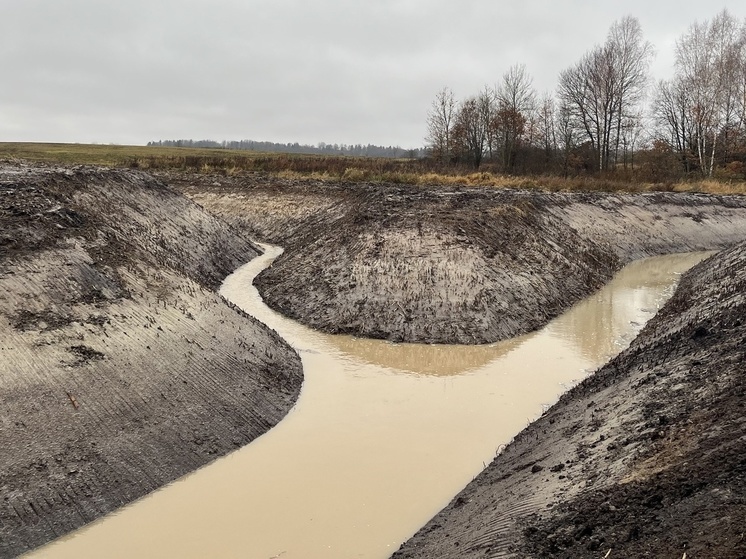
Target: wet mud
{"x": 645, "y": 458}
{"x": 452, "y": 264}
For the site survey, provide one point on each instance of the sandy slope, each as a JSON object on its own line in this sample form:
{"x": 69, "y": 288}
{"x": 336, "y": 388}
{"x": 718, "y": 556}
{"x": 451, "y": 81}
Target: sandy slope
{"x": 120, "y": 367}
{"x": 451, "y": 264}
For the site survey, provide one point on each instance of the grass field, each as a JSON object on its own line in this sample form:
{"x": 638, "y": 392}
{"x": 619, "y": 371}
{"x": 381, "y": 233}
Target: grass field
{"x": 333, "y": 168}
{"x": 116, "y": 155}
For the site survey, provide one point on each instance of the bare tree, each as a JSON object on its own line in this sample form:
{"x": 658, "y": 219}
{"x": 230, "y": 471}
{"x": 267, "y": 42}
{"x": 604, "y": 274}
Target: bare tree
{"x": 470, "y": 128}
{"x": 632, "y": 134}
{"x": 516, "y": 101}
{"x": 568, "y": 134}
{"x": 545, "y": 129}
{"x": 607, "y": 85}
{"x": 701, "y": 106}
{"x": 632, "y": 55}
{"x": 673, "y": 119}
{"x": 440, "y": 121}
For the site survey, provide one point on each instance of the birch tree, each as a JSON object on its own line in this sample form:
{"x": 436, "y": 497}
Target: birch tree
{"x": 704, "y": 103}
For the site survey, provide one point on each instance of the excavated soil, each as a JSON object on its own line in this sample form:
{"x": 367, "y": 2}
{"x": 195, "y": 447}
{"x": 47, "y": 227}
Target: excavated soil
{"x": 452, "y": 264}
{"x": 646, "y": 458}
{"x": 643, "y": 459}
{"x": 121, "y": 368}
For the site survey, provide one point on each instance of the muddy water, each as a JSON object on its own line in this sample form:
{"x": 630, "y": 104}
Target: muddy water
{"x": 381, "y": 438}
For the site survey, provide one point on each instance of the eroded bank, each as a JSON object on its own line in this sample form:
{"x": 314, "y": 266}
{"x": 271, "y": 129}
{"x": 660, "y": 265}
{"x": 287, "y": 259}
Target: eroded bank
{"x": 452, "y": 264}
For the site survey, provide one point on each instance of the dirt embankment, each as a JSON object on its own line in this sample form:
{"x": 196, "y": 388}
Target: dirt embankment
{"x": 450, "y": 264}
{"x": 121, "y": 369}
{"x": 646, "y": 458}
{"x": 643, "y": 459}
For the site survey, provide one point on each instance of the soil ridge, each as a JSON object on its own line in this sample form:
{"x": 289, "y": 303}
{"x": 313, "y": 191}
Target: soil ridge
{"x": 452, "y": 264}
{"x": 121, "y": 368}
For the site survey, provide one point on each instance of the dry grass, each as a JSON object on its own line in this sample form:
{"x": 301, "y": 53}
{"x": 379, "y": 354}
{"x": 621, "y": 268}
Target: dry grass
{"x": 338, "y": 168}
{"x": 711, "y": 186}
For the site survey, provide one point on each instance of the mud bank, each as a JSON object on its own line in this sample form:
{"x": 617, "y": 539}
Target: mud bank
{"x": 452, "y": 264}
{"x": 121, "y": 369}
{"x": 645, "y": 458}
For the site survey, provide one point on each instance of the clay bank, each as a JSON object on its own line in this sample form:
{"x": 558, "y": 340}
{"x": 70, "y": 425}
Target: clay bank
{"x": 383, "y": 435}
{"x": 645, "y": 458}
{"x": 122, "y": 369}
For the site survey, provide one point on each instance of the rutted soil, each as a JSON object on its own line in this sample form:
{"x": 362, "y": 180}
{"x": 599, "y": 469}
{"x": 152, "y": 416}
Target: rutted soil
{"x": 121, "y": 368}
{"x": 452, "y": 264}
{"x": 646, "y": 458}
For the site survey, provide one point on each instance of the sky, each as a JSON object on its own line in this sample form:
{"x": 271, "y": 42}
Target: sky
{"x": 334, "y": 71}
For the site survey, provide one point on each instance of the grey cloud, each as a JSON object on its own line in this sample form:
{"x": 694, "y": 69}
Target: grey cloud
{"x": 286, "y": 70}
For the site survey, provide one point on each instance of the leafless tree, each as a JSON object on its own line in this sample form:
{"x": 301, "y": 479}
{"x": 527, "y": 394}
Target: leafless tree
{"x": 702, "y": 106}
{"x": 516, "y": 102}
{"x": 470, "y": 128}
{"x": 440, "y": 121}
{"x": 545, "y": 136}
{"x": 607, "y": 85}
{"x": 673, "y": 119}
{"x": 568, "y": 131}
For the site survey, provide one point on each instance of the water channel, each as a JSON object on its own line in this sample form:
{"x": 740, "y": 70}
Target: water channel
{"x": 381, "y": 438}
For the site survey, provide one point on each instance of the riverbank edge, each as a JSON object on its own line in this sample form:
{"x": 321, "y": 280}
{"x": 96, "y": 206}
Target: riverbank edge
{"x": 121, "y": 368}
{"x": 81, "y": 459}
{"x": 504, "y": 512}
{"x": 453, "y": 264}
{"x": 644, "y": 458}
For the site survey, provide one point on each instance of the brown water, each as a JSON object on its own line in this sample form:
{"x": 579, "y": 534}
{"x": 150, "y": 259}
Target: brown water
{"x": 382, "y": 437}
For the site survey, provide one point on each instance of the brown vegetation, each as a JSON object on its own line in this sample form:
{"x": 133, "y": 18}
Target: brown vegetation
{"x": 650, "y": 173}
{"x": 597, "y": 121}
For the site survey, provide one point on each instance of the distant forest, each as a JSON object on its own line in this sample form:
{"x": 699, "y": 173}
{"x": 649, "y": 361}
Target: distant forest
{"x": 357, "y": 150}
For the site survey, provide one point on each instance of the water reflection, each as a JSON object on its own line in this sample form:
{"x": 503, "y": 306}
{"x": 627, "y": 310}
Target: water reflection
{"x": 423, "y": 359}
{"x": 601, "y": 325}
{"x": 598, "y": 327}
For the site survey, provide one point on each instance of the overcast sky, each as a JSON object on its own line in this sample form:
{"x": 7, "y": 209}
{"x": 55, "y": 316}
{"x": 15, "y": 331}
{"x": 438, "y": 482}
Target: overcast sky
{"x": 337, "y": 71}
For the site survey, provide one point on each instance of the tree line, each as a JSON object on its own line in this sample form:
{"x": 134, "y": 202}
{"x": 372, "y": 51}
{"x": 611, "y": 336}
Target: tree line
{"x": 356, "y": 150}
{"x": 606, "y": 114}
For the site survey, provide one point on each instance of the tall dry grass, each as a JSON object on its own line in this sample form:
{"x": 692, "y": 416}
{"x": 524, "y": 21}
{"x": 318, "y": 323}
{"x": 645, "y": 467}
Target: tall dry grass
{"x": 345, "y": 168}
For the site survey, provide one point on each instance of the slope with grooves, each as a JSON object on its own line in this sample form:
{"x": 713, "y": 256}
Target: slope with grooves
{"x": 452, "y": 264}
{"x": 120, "y": 367}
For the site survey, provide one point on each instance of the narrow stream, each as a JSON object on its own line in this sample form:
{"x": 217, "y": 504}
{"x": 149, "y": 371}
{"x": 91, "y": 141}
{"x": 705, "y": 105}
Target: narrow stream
{"x": 382, "y": 437}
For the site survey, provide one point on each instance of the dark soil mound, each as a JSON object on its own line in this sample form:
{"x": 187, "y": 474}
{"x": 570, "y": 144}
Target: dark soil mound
{"x": 452, "y": 264}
